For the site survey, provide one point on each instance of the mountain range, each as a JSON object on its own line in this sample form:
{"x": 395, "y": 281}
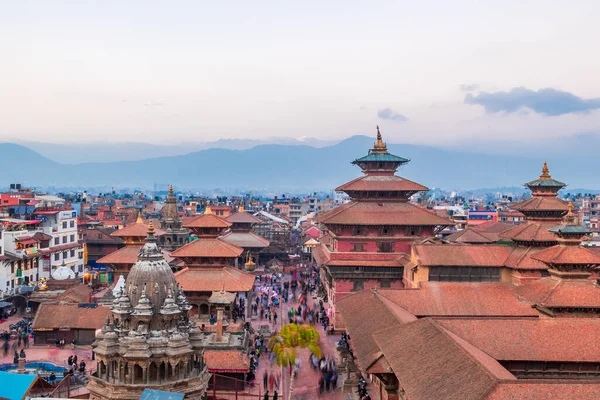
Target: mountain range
{"x": 291, "y": 168}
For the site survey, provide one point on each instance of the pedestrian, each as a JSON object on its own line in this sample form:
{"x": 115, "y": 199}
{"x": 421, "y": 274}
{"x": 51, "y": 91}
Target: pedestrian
{"x": 265, "y": 379}
{"x": 75, "y": 360}
{"x": 73, "y": 343}
{"x": 16, "y": 358}
{"x": 266, "y": 395}
{"x": 275, "y": 395}
{"x": 70, "y": 360}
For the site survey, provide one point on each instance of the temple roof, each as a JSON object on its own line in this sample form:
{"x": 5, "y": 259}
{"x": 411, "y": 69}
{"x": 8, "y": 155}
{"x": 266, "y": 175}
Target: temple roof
{"x": 379, "y": 153}
{"x": 381, "y": 213}
{"x": 469, "y": 236}
{"x": 377, "y": 183}
{"x": 139, "y": 229}
{"x": 531, "y": 231}
{"x": 208, "y": 247}
{"x": 226, "y": 361}
{"x": 542, "y": 204}
{"x": 460, "y": 299}
{"x": 207, "y": 221}
{"x": 127, "y": 255}
{"x": 553, "y": 292}
{"x": 545, "y": 180}
{"x": 64, "y": 316}
{"x": 245, "y": 239}
{"x": 373, "y": 157}
{"x": 169, "y": 211}
{"x": 462, "y": 255}
{"x": 214, "y": 279}
{"x": 531, "y": 339}
{"x": 243, "y": 217}
{"x": 572, "y": 255}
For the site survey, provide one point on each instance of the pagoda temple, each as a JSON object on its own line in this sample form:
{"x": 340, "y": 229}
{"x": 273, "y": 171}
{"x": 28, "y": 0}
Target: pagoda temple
{"x": 368, "y": 238}
{"x": 175, "y": 234}
{"x": 240, "y": 234}
{"x": 150, "y": 342}
{"x": 542, "y": 211}
{"x": 210, "y": 263}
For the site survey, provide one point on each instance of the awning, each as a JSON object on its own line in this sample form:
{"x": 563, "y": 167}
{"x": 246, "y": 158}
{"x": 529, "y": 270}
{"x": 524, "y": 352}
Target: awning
{"x": 28, "y": 241}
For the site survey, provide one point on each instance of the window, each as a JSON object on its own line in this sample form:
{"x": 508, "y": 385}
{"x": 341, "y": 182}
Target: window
{"x": 385, "y": 283}
{"x": 72, "y": 224}
{"x": 358, "y": 285}
{"x": 72, "y": 238}
{"x": 56, "y": 256}
{"x": 65, "y": 254}
{"x": 385, "y": 247}
{"x": 357, "y": 231}
{"x": 72, "y": 253}
{"x": 464, "y": 274}
{"x": 64, "y": 239}
{"x": 64, "y": 224}
{"x": 56, "y": 241}
{"x": 384, "y": 231}
{"x": 358, "y": 247}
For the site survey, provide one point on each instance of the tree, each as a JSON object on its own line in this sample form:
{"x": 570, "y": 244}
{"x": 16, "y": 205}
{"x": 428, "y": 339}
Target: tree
{"x": 291, "y": 337}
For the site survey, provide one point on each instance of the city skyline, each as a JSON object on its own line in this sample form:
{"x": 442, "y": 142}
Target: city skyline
{"x": 427, "y": 74}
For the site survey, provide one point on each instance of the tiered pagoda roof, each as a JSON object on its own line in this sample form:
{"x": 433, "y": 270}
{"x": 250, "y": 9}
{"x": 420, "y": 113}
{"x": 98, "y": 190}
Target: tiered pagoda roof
{"x": 207, "y": 221}
{"x": 214, "y": 279}
{"x": 245, "y": 239}
{"x": 242, "y": 217}
{"x": 137, "y": 230}
{"x": 209, "y": 248}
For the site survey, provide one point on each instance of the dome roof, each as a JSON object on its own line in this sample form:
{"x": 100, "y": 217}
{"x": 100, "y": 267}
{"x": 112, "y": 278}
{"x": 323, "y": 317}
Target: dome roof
{"x": 151, "y": 275}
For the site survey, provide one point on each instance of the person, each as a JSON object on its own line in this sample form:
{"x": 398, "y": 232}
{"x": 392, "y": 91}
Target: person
{"x": 266, "y": 395}
{"x": 70, "y": 360}
{"x": 73, "y": 343}
{"x": 266, "y": 380}
{"x": 82, "y": 367}
{"x": 75, "y": 360}
{"x": 22, "y": 354}
{"x": 52, "y": 377}
{"x": 275, "y": 395}
{"x": 16, "y": 358}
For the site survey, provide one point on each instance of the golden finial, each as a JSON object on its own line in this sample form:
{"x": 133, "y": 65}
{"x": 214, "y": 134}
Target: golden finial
{"x": 241, "y": 208}
{"x": 545, "y": 172}
{"x": 249, "y": 261}
{"x": 170, "y": 189}
{"x": 139, "y": 218}
{"x": 379, "y": 147}
{"x": 207, "y": 210}
{"x": 570, "y": 207}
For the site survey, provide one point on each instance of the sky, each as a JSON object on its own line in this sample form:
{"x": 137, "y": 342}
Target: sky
{"x": 426, "y": 72}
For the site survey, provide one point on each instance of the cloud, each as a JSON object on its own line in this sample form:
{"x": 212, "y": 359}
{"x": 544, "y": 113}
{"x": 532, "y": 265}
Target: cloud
{"x": 548, "y": 101}
{"x": 469, "y": 87}
{"x": 389, "y": 114}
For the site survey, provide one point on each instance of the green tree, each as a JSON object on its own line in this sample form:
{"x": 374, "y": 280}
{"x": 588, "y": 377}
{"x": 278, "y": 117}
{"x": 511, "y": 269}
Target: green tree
{"x": 292, "y": 337}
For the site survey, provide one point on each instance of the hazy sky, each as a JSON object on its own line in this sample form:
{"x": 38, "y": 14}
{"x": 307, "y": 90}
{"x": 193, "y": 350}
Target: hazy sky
{"x": 425, "y": 71}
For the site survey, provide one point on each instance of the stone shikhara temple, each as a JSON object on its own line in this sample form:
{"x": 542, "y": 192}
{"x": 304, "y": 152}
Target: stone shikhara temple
{"x": 150, "y": 342}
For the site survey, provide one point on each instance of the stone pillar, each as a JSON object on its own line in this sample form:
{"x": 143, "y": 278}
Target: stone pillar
{"x": 131, "y": 371}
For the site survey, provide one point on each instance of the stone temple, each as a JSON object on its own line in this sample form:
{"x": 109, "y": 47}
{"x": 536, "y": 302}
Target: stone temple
{"x": 150, "y": 342}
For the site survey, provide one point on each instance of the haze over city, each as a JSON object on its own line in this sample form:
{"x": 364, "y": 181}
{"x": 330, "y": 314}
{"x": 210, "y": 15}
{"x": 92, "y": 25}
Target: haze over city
{"x": 435, "y": 73}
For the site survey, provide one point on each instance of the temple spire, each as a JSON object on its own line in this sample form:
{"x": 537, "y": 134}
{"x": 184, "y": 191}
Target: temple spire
{"x": 207, "y": 210}
{"x": 139, "y": 218}
{"x": 379, "y": 147}
{"x": 170, "y": 189}
{"x": 545, "y": 172}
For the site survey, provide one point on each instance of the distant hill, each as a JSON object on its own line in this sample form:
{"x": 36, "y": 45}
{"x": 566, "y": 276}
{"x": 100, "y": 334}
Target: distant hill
{"x": 293, "y": 168}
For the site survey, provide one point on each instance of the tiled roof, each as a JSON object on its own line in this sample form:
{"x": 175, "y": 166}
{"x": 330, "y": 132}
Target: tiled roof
{"x": 128, "y": 255}
{"x": 561, "y": 254}
{"x": 364, "y": 263}
{"x": 214, "y": 279}
{"x": 544, "y": 339}
{"x": 56, "y": 316}
{"x": 560, "y": 293}
{"x": 208, "y": 247}
{"x": 376, "y": 157}
{"x": 364, "y": 313}
{"x": 531, "y": 389}
{"x": 243, "y": 217}
{"x": 382, "y": 213}
{"x": 541, "y": 204}
{"x": 391, "y": 183}
{"x": 226, "y": 361}
{"x": 493, "y": 227}
{"x": 532, "y": 231}
{"x": 207, "y": 221}
{"x": 245, "y": 239}
{"x": 431, "y": 363}
{"x": 462, "y": 255}
{"x": 136, "y": 230}
{"x": 76, "y": 294}
{"x": 460, "y": 299}
{"x": 469, "y": 235}
{"x": 522, "y": 258}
